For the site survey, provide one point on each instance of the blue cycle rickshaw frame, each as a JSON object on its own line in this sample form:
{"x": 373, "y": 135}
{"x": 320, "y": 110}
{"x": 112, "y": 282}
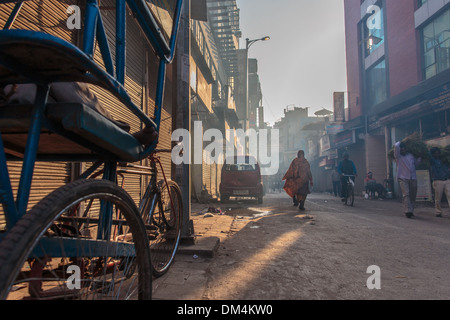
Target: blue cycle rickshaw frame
{"x": 15, "y": 70}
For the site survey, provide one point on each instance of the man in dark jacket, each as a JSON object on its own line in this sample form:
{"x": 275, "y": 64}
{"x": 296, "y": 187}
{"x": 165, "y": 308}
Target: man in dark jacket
{"x": 346, "y": 167}
{"x": 440, "y": 177}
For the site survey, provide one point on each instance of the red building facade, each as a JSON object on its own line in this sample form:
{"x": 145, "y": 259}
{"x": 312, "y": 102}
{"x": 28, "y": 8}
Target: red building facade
{"x": 398, "y": 73}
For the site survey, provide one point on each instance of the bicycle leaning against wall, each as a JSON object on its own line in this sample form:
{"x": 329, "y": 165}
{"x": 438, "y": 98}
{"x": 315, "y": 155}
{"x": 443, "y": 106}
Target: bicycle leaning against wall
{"x": 87, "y": 239}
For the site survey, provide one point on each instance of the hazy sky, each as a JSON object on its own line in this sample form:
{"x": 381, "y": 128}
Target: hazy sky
{"x": 304, "y": 61}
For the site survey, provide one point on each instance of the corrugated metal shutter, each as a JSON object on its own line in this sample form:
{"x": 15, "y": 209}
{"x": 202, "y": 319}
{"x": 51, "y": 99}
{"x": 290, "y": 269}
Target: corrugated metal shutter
{"x": 140, "y": 83}
{"x": 218, "y": 178}
{"x": 134, "y": 78}
{"x": 119, "y": 112}
{"x": 165, "y": 139}
{"x": 213, "y": 180}
{"x": 214, "y": 186}
{"x": 206, "y": 175}
{"x": 165, "y": 132}
{"x": 49, "y": 17}
{"x": 48, "y": 176}
{"x": 134, "y": 84}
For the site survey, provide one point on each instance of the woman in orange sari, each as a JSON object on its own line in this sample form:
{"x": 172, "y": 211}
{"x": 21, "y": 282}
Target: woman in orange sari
{"x": 298, "y": 178}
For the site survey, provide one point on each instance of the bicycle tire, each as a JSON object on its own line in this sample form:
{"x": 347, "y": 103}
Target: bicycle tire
{"x": 350, "y": 196}
{"x": 97, "y": 273}
{"x": 164, "y": 242}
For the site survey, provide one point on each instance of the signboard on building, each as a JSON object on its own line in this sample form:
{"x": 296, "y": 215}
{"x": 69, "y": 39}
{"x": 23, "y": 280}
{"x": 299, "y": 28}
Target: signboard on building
{"x": 334, "y": 128}
{"x": 339, "y": 106}
{"x": 325, "y": 162}
{"x": 332, "y": 154}
{"x": 324, "y": 144}
{"x": 439, "y": 98}
{"x": 344, "y": 139}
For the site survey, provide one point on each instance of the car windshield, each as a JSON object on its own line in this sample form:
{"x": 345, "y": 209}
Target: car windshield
{"x": 240, "y": 167}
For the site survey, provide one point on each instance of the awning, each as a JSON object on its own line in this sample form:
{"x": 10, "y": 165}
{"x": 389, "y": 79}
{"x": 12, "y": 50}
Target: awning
{"x": 344, "y": 139}
{"x": 315, "y": 126}
{"x": 355, "y": 123}
{"x": 416, "y": 110}
{"x": 426, "y": 90}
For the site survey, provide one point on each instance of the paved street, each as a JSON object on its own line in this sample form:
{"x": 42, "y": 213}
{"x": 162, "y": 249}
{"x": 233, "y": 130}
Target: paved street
{"x": 275, "y": 251}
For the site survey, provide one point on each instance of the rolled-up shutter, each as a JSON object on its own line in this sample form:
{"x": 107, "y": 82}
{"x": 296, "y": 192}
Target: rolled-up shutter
{"x": 206, "y": 173}
{"x": 165, "y": 132}
{"x": 140, "y": 83}
{"x": 49, "y": 17}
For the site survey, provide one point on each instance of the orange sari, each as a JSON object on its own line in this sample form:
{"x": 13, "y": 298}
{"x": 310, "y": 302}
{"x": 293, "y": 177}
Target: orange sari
{"x": 297, "y": 179}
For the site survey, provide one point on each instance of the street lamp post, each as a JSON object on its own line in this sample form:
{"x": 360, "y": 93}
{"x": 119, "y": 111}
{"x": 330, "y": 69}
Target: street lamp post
{"x": 248, "y": 43}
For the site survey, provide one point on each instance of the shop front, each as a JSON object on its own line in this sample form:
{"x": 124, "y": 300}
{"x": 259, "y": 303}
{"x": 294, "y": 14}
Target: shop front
{"x": 422, "y": 109}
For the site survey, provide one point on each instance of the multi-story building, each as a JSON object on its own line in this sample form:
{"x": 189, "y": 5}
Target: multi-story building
{"x": 213, "y": 69}
{"x": 250, "y": 118}
{"x": 398, "y": 71}
{"x": 299, "y": 131}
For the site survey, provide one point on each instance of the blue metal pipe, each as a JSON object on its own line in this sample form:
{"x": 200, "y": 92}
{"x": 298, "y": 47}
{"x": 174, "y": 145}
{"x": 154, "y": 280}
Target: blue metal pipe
{"x": 90, "y": 24}
{"x": 160, "y": 93}
{"x": 13, "y": 16}
{"x": 173, "y": 38}
{"x": 149, "y": 26}
{"x": 106, "y": 209}
{"x": 6, "y": 194}
{"x": 31, "y": 149}
{"x": 120, "y": 40}
{"x": 104, "y": 46}
{"x": 76, "y": 247}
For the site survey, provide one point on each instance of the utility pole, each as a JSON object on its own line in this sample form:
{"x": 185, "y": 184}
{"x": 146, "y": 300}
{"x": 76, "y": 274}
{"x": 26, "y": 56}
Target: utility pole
{"x": 248, "y": 44}
{"x": 183, "y": 114}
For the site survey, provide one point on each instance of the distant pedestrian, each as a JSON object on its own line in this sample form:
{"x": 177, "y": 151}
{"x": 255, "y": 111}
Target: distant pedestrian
{"x": 440, "y": 177}
{"x": 336, "y": 178}
{"x": 406, "y": 176}
{"x": 347, "y": 170}
{"x": 298, "y": 178}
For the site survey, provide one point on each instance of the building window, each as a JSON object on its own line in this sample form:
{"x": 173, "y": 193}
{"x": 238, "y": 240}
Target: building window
{"x": 436, "y": 45}
{"x": 376, "y": 84}
{"x": 422, "y": 2}
{"x": 373, "y": 29}
{"x": 434, "y": 125}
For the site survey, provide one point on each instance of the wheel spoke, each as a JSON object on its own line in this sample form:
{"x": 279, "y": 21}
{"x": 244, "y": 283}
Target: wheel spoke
{"x": 67, "y": 261}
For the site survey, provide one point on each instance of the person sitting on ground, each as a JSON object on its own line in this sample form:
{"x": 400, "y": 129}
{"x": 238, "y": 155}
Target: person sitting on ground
{"x": 373, "y": 187}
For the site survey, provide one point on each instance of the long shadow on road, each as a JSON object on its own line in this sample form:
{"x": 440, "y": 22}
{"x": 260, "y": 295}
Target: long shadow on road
{"x": 325, "y": 252}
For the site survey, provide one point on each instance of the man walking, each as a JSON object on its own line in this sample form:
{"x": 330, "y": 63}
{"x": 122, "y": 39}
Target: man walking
{"x": 336, "y": 178}
{"x": 440, "y": 178}
{"x": 406, "y": 176}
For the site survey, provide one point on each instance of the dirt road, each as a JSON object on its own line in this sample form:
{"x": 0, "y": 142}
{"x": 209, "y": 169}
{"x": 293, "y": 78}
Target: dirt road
{"x": 274, "y": 251}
